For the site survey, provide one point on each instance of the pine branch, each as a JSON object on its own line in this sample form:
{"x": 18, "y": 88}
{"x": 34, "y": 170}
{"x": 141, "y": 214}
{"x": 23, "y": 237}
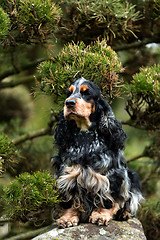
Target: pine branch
{"x": 16, "y": 82}
{"x": 133, "y": 124}
{"x": 149, "y": 175}
{"x": 31, "y": 135}
{"x": 5, "y": 220}
{"x": 136, "y": 44}
{"x": 38, "y": 133}
{"x": 22, "y": 68}
{"x": 135, "y": 158}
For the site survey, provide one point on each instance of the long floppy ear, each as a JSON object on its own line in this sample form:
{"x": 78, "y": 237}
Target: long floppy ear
{"x": 110, "y": 127}
{"x": 64, "y": 131}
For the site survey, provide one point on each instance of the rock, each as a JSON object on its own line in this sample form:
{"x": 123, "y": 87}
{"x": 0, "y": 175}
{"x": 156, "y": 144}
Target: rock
{"x": 126, "y": 230}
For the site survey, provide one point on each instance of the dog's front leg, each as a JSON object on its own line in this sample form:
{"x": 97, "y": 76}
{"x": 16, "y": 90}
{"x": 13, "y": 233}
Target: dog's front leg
{"x": 101, "y": 216}
{"x": 69, "y": 218}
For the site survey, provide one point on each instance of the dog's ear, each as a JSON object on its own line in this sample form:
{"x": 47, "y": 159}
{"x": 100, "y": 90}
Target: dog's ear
{"x": 104, "y": 105}
{"x": 64, "y": 131}
{"x": 110, "y": 127}
{"x": 104, "y": 109}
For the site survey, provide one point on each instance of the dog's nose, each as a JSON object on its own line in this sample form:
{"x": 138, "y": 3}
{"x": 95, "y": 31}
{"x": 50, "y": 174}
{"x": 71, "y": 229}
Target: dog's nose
{"x": 70, "y": 103}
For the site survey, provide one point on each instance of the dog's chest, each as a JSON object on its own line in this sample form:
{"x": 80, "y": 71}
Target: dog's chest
{"x": 85, "y": 143}
{"x": 87, "y": 149}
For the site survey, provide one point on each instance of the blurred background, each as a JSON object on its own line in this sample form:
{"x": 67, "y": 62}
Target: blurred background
{"x": 40, "y": 54}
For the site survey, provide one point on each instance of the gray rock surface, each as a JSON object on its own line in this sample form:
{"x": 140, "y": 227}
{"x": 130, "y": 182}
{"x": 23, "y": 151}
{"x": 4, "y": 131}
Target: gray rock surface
{"x": 126, "y": 230}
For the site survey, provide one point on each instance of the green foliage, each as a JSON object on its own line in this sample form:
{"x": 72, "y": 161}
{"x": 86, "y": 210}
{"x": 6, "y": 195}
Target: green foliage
{"x": 33, "y": 18}
{"x": 2, "y": 203}
{"x": 96, "y": 62}
{"x": 35, "y": 15}
{"x": 157, "y": 9}
{"x": 35, "y": 155}
{"x": 147, "y": 83}
{"x": 144, "y": 101}
{"x": 118, "y": 9}
{"x": 149, "y": 215}
{"x": 29, "y": 193}
{"x": 4, "y": 24}
{"x": 1, "y": 164}
{"x": 8, "y": 152}
{"x": 109, "y": 19}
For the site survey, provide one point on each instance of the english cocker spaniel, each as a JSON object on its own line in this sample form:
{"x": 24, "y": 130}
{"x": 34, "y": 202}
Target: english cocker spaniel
{"x": 92, "y": 174}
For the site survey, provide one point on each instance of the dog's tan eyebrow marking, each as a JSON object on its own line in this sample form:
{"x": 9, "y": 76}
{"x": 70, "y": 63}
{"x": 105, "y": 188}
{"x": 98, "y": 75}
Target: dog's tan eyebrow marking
{"x": 83, "y": 88}
{"x": 72, "y": 88}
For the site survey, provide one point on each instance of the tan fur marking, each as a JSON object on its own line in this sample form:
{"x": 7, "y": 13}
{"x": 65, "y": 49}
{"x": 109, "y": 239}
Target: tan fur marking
{"x": 126, "y": 215}
{"x": 69, "y": 218}
{"x": 68, "y": 180}
{"x": 83, "y": 88}
{"x": 101, "y": 216}
{"x": 88, "y": 179}
{"x": 80, "y": 113}
{"x": 72, "y": 88}
{"x": 72, "y": 172}
{"x": 82, "y": 123}
{"x": 93, "y": 109}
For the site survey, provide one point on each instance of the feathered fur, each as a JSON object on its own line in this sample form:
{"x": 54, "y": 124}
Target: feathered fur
{"x": 91, "y": 169}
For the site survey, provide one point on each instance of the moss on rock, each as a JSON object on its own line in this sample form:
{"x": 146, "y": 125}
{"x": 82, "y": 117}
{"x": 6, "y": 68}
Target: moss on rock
{"x": 131, "y": 229}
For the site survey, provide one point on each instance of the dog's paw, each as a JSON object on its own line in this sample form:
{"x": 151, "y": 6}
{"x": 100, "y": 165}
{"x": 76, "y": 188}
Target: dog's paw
{"x": 70, "y": 218}
{"x": 122, "y": 216}
{"x": 100, "y": 217}
{"x": 126, "y": 215}
{"x": 66, "y": 222}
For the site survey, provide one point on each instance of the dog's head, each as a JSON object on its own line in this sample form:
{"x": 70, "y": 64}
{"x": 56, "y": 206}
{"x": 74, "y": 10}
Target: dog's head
{"x": 90, "y": 111}
{"x": 81, "y": 102}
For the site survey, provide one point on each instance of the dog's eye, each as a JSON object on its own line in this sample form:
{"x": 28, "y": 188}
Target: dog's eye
{"x": 68, "y": 93}
{"x": 85, "y": 93}
{"x": 70, "y": 90}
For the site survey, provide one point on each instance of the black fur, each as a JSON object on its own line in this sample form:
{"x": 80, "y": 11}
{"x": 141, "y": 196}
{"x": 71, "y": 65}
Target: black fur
{"x": 100, "y": 148}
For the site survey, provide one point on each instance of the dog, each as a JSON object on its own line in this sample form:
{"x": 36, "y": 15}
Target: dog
{"x": 92, "y": 175}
